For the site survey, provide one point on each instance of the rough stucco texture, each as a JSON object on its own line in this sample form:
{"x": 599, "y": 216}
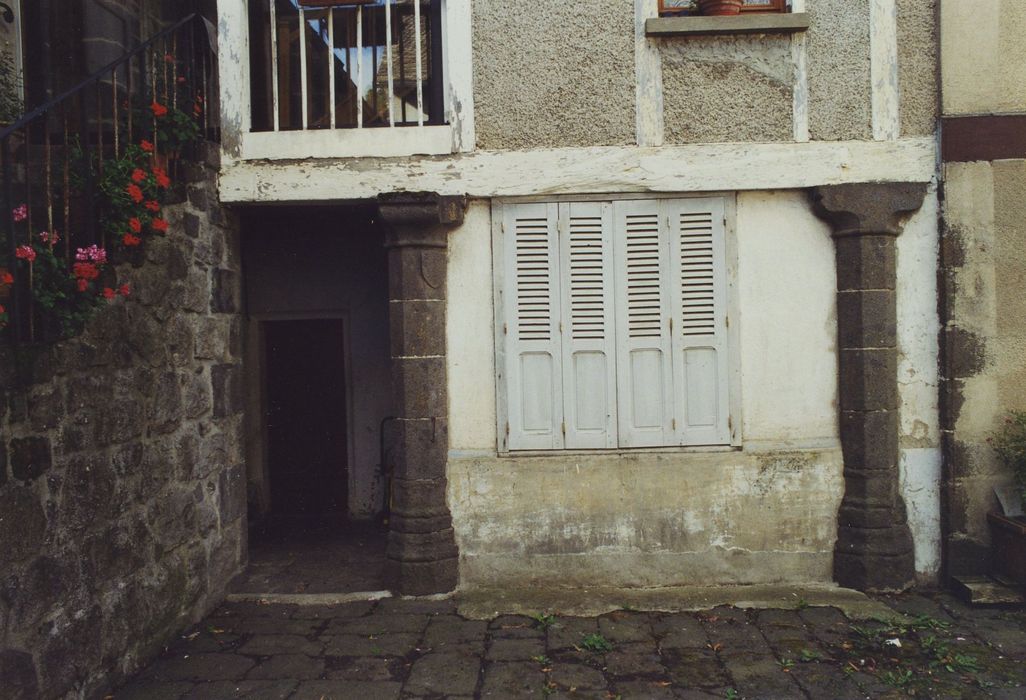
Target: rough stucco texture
{"x": 639, "y": 520}
{"x": 840, "y": 87}
{"x": 553, "y": 73}
{"x": 727, "y": 89}
{"x": 917, "y": 66}
{"x": 122, "y": 491}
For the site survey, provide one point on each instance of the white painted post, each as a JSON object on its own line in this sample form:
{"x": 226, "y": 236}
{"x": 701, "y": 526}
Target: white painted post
{"x": 233, "y": 59}
{"x": 800, "y": 88}
{"x": 420, "y": 70}
{"x": 331, "y": 66}
{"x": 883, "y": 42}
{"x": 274, "y": 67}
{"x": 302, "y": 64}
{"x": 648, "y": 70}
{"x": 459, "y": 72}
{"x": 359, "y": 66}
{"x": 388, "y": 60}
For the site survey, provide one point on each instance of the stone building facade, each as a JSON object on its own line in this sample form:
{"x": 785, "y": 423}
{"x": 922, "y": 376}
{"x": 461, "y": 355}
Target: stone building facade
{"x": 122, "y": 485}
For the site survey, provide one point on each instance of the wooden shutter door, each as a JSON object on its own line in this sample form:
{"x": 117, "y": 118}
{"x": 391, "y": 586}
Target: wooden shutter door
{"x": 643, "y": 348}
{"x": 589, "y": 341}
{"x": 530, "y": 303}
{"x": 698, "y": 288}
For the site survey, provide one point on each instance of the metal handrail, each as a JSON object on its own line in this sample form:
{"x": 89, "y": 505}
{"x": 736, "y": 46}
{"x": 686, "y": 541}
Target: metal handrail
{"x": 94, "y": 78}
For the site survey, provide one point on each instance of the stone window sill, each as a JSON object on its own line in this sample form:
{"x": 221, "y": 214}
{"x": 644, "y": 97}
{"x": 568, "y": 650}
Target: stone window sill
{"x": 751, "y": 23}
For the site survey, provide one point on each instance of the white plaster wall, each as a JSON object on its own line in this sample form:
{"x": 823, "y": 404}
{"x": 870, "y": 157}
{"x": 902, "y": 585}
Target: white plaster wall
{"x": 918, "y": 328}
{"x": 788, "y": 322}
{"x": 767, "y": 513}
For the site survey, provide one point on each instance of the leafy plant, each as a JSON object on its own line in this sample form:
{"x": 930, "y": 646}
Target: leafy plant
{"x": 1010, "y": 445}
{"x": 596, "y": 643}
{"x": 898, "y": 678}
{"x": 543, "y": 620}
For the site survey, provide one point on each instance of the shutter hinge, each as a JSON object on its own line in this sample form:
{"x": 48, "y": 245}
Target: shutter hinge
{"x": 673, "y": 424}
{"x": 670, "y": 321}
{"x": 726, "y": 321}
{"x": 502, "y": 228}
{"x": 563, "y": 428}
{"x": 505, "y": 329}
{"x": 561, "y": 327}
{"x": 507, "y": 430}
{"x": 730, "y": 424}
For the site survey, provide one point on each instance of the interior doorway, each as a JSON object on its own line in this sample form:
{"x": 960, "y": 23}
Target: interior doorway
{"x": 318, "y": 394}
{"x": 307, "y": 455}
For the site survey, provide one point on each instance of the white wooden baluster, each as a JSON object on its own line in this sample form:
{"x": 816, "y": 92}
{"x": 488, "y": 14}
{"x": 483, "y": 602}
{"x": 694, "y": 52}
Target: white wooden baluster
{"x": 388, "y": 58}
{"x": 420, "y": 88}
{"x": 359, "y": 67}
{"x": 274, "y": 66}
{"x": 331, "y": 66}
{"x": 302, "y": 63}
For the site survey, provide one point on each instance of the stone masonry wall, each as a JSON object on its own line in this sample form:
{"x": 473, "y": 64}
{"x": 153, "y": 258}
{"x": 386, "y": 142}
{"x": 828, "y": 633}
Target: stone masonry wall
{"x": 122, "y": 485}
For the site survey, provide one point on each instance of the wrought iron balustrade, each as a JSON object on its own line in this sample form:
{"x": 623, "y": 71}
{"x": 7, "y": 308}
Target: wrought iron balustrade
{"x": 53, "y": 157}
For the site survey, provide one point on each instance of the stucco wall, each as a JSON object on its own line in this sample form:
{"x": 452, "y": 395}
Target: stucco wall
{"x": 840, "y": 88}
{"x": 727, "y": 89}
{"x": 983, "y": 56}
{"x": 767, "y": 513}
{"x": 918, "y": 74}
{"x": 553, "y": 73}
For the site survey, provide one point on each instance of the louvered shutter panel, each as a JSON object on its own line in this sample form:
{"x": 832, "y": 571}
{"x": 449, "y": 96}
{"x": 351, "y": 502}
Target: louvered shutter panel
{"x": 698, "y": 287}
{"x": 589, "y": 339}
{"x": 643, "y": 349}
{"x": 531, "y": 301}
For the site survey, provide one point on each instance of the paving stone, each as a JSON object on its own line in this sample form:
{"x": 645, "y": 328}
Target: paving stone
{"x": 255, "y": 609}
{"x": 450, "y": 633}
{"x": 650, "y": 690}
{"x": 699, "y": 694}
{"x": 567, "y": 632}
{"x": 200, "y": 667}
{"x": 385, "y": 645}
{"x": 732, "y": 637}
{"x": 250, "y": 690}
{"x": 671, "y": 623}
{"x": 758, "y": 675}
{"x": 294, "y": 666}
{"x": 346, "y": 690}
{"x": 620, "y": 627}
{"x": 443, "y": 673}
{"x": 515, "y": 649}
{"x": 205, "y": 642}
{"x": 379, "y": 624}
{"x": 270, "y": 644}
{"x": 365, "y": 669}
{"x": 513, "y": 680}
{"x": 153, "y": 690}
{"x": 779, "y": 618}
{"x": 822, "y": 680}
{"x": 578, "y": 695}
{"x": 696, "y": 668}
{"x": 515, "y": 627}
{"x": 270, "y": 625}
{"x": 329, "y": 612}
{"x": 569, "y": 676}
{"x": 629, "y": 664}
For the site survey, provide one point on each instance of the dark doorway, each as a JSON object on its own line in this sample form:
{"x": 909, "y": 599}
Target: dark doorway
{"x": 306, "y": 420}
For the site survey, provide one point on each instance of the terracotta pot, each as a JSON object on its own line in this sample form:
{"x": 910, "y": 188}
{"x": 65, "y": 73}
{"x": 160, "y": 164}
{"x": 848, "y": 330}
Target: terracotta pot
{"x": 1008, "y": 546}
{"x": 720, "y": 7}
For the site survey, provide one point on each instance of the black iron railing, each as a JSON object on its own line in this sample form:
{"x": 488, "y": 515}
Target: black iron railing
{"x": 149, "y": 102}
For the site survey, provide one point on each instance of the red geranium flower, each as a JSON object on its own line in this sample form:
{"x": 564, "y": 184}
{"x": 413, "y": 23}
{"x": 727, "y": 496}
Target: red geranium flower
{"x": 135, "y": 225}
{"x": 124, "y": 290}
{"x": 83, "y": 285}
{"x": 25, "y": 252}
{"x": 7, "y": 278}
{"x": 135, "y": 193}
{"x": 159, "y": 110}
{"x": 109, "y": 293}
{"x": 159, "y": 225}
{"x": 138, "y": 175}
{"x": 85, "y": 270}
{"x": 152, "y": 205}
{"x": 130, "y": 240}
{"x": 146, "y": 146}
{"x": 162, "y": 178}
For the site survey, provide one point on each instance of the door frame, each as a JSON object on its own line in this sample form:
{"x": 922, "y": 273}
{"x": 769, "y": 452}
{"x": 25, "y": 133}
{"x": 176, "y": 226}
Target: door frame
{"x": 255, "y": 362}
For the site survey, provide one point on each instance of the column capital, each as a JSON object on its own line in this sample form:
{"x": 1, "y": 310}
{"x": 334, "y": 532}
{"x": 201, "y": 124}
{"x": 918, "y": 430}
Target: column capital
{"x": 419, "y": 219}
{"x": 869, "y": 208}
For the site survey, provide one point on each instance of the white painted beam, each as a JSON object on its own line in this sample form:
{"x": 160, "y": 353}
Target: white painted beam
{"x": 613, "y": 169}
{"x": 233, "y": 73}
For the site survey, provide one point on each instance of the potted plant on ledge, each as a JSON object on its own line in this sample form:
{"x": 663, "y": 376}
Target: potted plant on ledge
{"x": 1008, "y": 529}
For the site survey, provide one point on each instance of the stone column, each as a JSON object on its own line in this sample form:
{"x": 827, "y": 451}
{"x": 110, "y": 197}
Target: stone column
{"x": 874, "y": 549}
{"x": 422, "y": 554}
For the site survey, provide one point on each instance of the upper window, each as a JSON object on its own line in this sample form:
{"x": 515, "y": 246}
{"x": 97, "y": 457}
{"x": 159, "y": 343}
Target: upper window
{"x": 613, "y": 330}
{"x": 325, "y": 64}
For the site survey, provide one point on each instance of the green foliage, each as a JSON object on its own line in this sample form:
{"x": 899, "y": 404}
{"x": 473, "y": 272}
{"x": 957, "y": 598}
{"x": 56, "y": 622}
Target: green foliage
{"x": 55, "y": 289}
{"x": 596, "y": 643}
{"x": 543, "y": 620}
{"x": 1010, "y": 445}
{"x": 11, "y": 107}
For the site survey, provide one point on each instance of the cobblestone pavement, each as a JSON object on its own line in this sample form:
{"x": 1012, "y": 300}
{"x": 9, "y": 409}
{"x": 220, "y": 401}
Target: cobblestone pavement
{"x": 397, "y": 648}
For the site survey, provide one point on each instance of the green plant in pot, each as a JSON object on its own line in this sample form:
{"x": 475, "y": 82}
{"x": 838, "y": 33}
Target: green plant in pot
{"x": 1008, "y": 530}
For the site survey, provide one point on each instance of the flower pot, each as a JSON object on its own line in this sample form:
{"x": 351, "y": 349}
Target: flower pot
{"x": 720, "y": 7}
{"x": 1008, "y": 546}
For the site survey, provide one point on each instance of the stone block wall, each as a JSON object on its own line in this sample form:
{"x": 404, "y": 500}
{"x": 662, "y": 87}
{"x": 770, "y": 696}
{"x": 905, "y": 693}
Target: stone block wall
{"x": 122, "y": 484}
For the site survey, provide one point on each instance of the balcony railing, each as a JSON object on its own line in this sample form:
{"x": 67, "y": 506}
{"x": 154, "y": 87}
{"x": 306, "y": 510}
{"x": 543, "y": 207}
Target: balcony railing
{"x": 53, "y": 159}
{"x": 333, "y": 64}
